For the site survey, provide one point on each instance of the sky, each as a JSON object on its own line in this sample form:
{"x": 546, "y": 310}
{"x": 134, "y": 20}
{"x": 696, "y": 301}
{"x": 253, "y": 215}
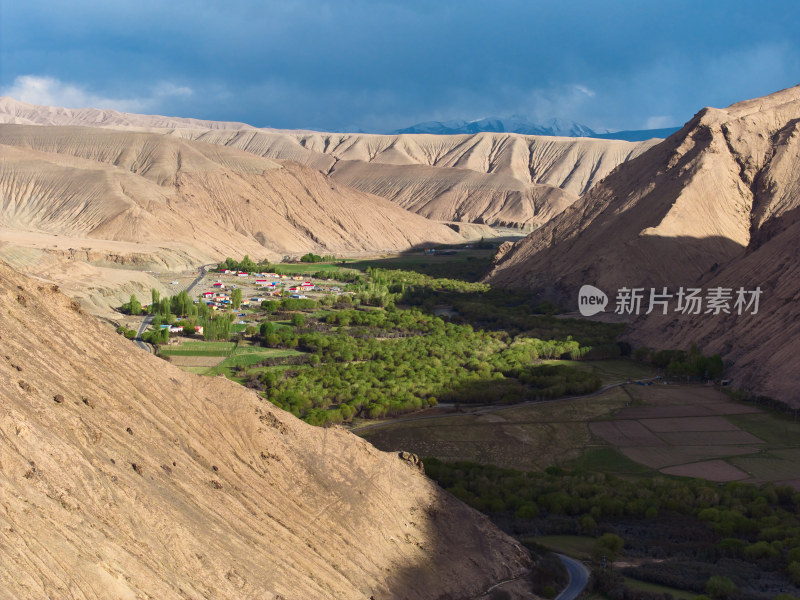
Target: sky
{"x": 376, "y": 66}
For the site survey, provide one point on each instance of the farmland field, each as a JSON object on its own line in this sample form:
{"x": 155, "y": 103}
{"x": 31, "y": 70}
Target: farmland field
{"x": 713, "y": 470}
{"x": 199, "y": 349}
{"x": 691, "y": 431}
{"x": 246, "y": 356}
{"x": 533, "y": 436}
{"x": 220, "y": 358}
{"x": 196, "y": 362}
{"x": 578, "y": 546}
{"x": 611, "y": 371}
{"x": 645, "y": 586}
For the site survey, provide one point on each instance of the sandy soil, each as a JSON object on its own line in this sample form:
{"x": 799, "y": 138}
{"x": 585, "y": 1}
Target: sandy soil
{"x": 121, "y": 476}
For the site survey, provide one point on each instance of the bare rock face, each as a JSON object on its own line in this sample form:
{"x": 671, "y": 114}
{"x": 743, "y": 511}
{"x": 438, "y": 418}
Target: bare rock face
{"x": 123, "y": 477}
{"x": 714, "y": 205}
{"x": 502, "y": 250}
{"x": 413, "y": 460}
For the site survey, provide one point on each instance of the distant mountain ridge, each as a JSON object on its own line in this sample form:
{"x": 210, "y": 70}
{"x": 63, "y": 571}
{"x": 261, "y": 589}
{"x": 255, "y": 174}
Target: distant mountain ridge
{"x": 512, "y": 124}
{"x": 637, "y": 135}
{"x": 494, "y": 178}
{"x": 519, "y": 124}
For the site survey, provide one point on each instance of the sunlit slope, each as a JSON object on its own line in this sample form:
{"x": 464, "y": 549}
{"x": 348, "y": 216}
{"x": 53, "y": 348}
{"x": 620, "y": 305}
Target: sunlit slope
{"x": 121, "y": 476}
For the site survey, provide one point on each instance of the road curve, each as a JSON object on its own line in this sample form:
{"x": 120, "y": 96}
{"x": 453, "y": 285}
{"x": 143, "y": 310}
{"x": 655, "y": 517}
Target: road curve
{"x": 578, "y": 578}
{"x": 203, "y": 270}
{"x": 142, "y": 328}
{"x": 149, "y": 318}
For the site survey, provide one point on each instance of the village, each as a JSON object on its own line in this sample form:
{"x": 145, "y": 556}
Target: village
{"x": 261, "y": 285}
{"x": 236, "y": 297}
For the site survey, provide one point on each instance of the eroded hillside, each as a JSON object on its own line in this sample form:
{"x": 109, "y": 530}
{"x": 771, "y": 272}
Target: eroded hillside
{"x": 715, "y": 205}
{"x": 122, "y": 476}
{"x": 154, "y": 201}
{"x": 493, "y": 178}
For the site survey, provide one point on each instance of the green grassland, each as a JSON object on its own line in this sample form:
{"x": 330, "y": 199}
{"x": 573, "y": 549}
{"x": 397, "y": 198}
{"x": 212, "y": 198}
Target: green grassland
{"x": 199, "y": 349}
{"x": 776, "y": 430}
{"x": 577, "y": 546}
{"x": 287, "y": 268}
{"x": 467, "y": 264}
{"x": 645, "y": 586}
{"x": 613, "y": 370}
{"x": 246, "y": 356}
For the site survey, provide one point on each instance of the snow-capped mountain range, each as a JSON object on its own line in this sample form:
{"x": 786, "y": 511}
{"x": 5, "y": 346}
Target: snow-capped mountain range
{"x": 519, "y": 124}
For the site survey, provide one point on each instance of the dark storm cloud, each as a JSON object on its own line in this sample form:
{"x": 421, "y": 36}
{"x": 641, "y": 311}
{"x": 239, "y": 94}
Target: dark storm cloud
{"x": 376, "y": 66}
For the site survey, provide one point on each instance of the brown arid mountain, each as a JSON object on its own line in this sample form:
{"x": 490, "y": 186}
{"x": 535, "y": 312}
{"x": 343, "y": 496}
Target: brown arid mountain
{"x": 23, "y": 113}
{"x": 714, "y": 205}
{"x": 123, "y": 477}
{"x": 151, "y": 201}
{"x": 494, "y": 178}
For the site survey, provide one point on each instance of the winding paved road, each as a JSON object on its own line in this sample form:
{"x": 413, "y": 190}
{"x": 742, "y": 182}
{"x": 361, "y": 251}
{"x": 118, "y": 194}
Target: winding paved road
{"x": 142, "y": 328}
{"x": 149, "y": 318}
{"x": 578, "y": 578}
{"x": 203, "y": 270}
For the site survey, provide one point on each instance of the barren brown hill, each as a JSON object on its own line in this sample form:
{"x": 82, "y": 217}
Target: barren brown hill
{"x": 184, "y": 202}
{"x": 494, "y": 178}
{"x": 716, "y": 204}
{"x": 23, "y": 113}
{"x": 123, "y": 477}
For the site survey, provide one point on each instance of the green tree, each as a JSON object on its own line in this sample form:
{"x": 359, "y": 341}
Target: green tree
{"x": 588, "y": 524}
{"x": 236, "y": 298}
{"x": 247, "y": 264}
{"x": 608, "y": 545}
{"x": 134, "y": 306}
{"x": 794, "y": 572}
{"x": 155, "y": 296}
{"x": 719, "y": 586}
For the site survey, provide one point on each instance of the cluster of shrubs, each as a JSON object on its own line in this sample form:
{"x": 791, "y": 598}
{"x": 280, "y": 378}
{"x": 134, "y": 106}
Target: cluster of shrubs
{"x": 743, "y": 532}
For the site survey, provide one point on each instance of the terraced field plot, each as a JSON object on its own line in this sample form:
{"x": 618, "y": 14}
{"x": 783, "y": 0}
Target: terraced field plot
{"x": 691, "y": 431}
{"x": 713, "y": 470}
{"x": 697, "y": 432}
{"x": 215, "y": 358}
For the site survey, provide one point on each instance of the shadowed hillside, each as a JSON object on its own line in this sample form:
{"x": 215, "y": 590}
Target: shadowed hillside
{"x": 121, "y": 476}
{"x": 716, "y": 204}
